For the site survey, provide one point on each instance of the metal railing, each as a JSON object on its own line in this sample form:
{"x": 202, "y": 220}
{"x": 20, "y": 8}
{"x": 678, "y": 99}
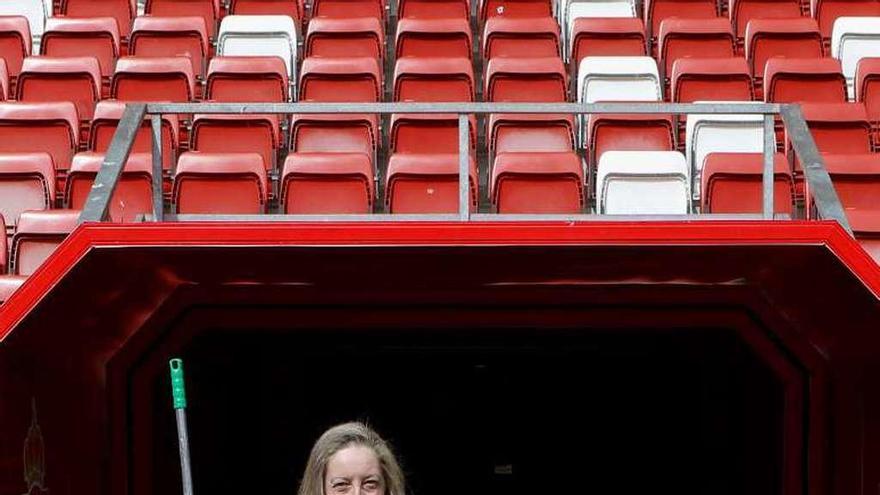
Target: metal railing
{"x": 819, "y": 186}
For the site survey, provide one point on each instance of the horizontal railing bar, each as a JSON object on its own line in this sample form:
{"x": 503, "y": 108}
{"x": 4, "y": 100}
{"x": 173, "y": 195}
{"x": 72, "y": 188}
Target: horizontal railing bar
{"x": 468, "y": 108}
{"x": 482, "y": 217}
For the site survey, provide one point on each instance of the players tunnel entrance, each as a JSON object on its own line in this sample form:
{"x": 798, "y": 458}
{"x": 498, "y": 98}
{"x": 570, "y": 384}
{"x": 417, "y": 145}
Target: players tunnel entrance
{"x": 491, "y": 412}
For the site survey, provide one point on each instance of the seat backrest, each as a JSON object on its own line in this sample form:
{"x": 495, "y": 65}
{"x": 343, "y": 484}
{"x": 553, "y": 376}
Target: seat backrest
{"x": 74, "y": 79}
{"x": 355, "y": 79}
{"x": 679, "y": 38}
{"x": 521, "y": 37}
{"x": 259, "y": 35}
{"x": 104, "y": 124}
{"x": 515, "y": 8}
{"x": 341, "y": 9}
{"x": 358, "y": 37}
{"x": 436, "y": 79}
{"x": 856, "y": 179}
{"x": 133, "y": 194}
{"x": 123, "y": 11}
{"x": 209, "y": 10}
{"x": 15, "y": 42}
{"x": 34, "y": 10}
{"x": 607, "y": 38}
{"x": 852, "y": 39}
{"x": 839, "y": 127}
{"x": 433, "y": 38}
{"x": 289, "y": 8}
{"x": 618, "y": 79}
{"x": 789, "y": 80}
{"x": 656, "y": 11}
{"x": 868, "y": 86}
{"x": 238, "y": 79}
{"x": 595, "y": 9}
{"x": 220, "y": 183}
{"x": 720, "y": 79}
{"x": 741, "y": 12}
{"x": 767, "y": 38}
{"x": 732, "y": 183}
{"x": 153, "y": 79}
{"x": 37, "y": 236}
{"x": 33, "y": 127}
{"x": 434, "y": 9}
{"x": 171, "y": 37}
{"x": 83, "y": 37}
{"x": 27, "y": 182}
{"x": 642, "y": 183}
{"x": 525, "y": 79}
{"x": 722, "y": 133}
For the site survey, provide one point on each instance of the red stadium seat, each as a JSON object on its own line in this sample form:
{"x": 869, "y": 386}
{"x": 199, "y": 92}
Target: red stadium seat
{"x": 433, "y": 38}
{"x": 790, "y": 80}
{"x": 8, "y": 285}
{"x": 434, "y": 9}
{"x": 435, "y": 79}
{"x": 37, "y": 236}
{"x": 15, "y": 42}
{"x": 34, "y": 127}
{"x": 836, "y": 128}
{"x": 27, "y": 182}
{"x": 733, "y": 183}
{"x": 517, "y": 37}
{"x": 426, "y": 183}
{"x": 549, "y": 183}
{"x": 656, "y": 11}
{"x": 348, "y": 9}
{"x": 171, "y": 37}
{"x": 107, "y": 116}
{"x": 768, "y": 38}
{"x": 230, "y": 183}
{"x": 327, "y": 183}
{"x": 133, "y": 195}
{"x": 351, "y": 79}
{"x": 153, "y": 79}
{"x": 742, "y": 12}
{"x": 708, "y": 79}
{"x": 526, "y": 80}
{"x": 90, "y": 37}
{"x": 515, "y": 8}
{"x": 209, "y": 10}
{"x": 328, "y": 133}
{"x": 290, "y": 8}
{"x": 74, "y": 79}
{"x": 428, "y": 133}
{"x": 348, "y": 37}
{"x": 606, "y": 37}
{"x": 827, "y": 11}
{"x": 251, "y": 133}
{"x": 121, "y": 10}
{"x": 856, "y": 178}
{"x": 608, "y": 132}
{"x": 251, "y": 79}
{"x": 868, "y": 87}
{"x": 530, "y": 132}
{"x": 705, "y": 38}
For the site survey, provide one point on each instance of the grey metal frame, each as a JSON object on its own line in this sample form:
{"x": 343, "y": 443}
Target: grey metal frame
{"x": 818, "y": 181}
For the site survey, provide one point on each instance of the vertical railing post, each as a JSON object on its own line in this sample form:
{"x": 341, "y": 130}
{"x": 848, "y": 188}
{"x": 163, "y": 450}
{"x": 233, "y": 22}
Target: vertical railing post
{"x": 769, "y": 175}
{"x": 158, "y": 202}
{"x": 464, "y": 174}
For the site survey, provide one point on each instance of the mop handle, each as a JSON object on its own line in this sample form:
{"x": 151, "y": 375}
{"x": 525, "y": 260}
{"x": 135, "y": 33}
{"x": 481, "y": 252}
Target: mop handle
{"x": 178, "y": 392}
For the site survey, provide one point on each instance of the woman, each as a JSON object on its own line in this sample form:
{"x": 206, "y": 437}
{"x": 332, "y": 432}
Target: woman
{"x": 352, "y": 459}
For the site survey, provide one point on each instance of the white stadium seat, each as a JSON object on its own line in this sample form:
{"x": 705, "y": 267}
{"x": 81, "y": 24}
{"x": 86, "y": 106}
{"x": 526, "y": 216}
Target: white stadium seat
{"x": 723, "y": 133}
{"x": 852, "y": 39}
{"x": 618, "y": 79}
{"x": 642, "y": 183}
{"x": 259, "y": 36}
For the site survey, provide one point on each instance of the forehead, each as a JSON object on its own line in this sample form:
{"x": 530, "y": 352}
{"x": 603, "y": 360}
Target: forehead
{"x": 356, "y": 460}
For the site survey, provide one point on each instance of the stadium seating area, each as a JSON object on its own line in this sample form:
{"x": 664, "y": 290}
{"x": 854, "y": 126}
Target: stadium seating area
{"x": 68, "y": 68}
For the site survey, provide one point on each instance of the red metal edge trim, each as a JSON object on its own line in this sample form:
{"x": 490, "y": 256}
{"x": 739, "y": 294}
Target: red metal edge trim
{"x": 88, "y": 236}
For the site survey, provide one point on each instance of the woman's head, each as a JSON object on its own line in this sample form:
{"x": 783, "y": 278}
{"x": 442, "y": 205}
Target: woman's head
{"x": 352, "y": 459}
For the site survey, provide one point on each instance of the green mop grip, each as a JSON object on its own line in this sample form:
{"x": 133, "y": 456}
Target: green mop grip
{"x": 178, "y": 388}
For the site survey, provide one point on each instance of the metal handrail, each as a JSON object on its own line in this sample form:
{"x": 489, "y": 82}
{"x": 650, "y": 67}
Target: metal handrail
{"x": 818, "y": 181}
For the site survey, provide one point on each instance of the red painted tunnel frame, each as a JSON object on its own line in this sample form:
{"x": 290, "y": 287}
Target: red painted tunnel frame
{"x": 719, "y": 233}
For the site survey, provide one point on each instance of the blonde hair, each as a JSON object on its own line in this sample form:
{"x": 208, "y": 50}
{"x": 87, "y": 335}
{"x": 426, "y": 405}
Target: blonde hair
{"x": 340, "y": 437}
